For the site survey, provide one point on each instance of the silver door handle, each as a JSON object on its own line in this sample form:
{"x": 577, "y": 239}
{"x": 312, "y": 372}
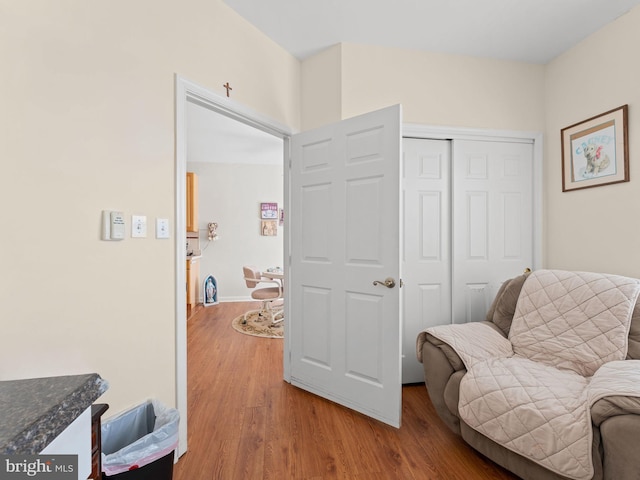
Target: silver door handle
{"x": 388, "y": 282}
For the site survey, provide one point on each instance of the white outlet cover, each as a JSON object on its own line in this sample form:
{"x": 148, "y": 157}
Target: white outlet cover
{"x": 138, "y": 226}
{"x": 162, "y": 228}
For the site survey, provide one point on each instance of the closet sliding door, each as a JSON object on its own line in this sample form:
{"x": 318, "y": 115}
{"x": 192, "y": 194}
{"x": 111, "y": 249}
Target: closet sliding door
{"x": 492, "y": 221}
{"x": 468, "y": 226}
{"x": 426, "y": 265}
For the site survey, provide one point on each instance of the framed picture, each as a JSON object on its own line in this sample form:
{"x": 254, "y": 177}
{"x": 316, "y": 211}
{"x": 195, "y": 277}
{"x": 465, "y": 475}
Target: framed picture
{"x": 210, "y": 290}
{"x": 269, "y": 228}
{"x": 595, "y": 151}
{"x": 268, "y": 211}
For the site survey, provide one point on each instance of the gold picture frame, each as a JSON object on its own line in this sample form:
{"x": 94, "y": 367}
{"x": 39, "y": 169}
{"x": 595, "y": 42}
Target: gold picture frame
{"x": 595, "y": 151}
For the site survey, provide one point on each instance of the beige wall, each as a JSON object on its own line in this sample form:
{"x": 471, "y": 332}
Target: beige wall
{"x": 445, "y": 90}
{"x": 594, "y": 229}
{"x": 322, "y": 88}
{"x": 434, "y": 89}
{"x": 87, "y": 95}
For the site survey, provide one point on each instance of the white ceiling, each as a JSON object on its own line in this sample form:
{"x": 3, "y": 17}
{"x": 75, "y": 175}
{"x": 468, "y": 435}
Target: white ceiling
{"x": 533, "y": 31}
{"x": 215, "y": 138}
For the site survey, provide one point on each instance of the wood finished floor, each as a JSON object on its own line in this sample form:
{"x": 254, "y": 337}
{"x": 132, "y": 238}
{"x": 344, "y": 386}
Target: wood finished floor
{"x": 246, "y": 423}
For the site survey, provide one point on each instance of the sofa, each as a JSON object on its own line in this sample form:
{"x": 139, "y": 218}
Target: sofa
{"x": 548, "y": 386}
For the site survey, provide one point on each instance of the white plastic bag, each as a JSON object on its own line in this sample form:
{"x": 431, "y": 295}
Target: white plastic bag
{"x": 138, "y": 436}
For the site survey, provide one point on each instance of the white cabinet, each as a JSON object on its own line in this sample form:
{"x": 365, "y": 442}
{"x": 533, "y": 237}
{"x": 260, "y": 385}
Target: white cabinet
{"x": 75, "y": 440}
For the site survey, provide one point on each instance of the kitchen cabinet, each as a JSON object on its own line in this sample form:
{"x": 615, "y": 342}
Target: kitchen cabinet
{"x": 192, "y": 202}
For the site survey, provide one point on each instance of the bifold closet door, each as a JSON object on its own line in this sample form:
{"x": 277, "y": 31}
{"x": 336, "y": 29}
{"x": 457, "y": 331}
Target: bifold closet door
{"x": 492, "y": 219}
{"x": 426, "y": 271}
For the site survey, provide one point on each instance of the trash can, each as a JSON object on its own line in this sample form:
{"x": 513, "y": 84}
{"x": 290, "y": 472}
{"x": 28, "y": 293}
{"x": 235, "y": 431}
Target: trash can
{"x": 139, "y": 444}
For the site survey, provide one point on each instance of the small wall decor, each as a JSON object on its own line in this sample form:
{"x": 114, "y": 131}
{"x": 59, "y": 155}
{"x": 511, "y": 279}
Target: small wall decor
{"x": 269, "y": 211}
{"x": 212, "y": 231}
{"x": 595, "y": 151}
{"x": 210, "y": 289}
{"x": 269, "y": 228}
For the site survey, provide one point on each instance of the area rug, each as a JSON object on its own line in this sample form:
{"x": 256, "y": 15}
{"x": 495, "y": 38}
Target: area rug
{"x": 258, "y": 326}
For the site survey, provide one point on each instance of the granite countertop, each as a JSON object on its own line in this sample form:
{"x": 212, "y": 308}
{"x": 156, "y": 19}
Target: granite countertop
{"x": 35, "y": 411}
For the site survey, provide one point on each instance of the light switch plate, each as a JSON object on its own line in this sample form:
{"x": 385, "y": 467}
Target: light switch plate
{"x": 138, "y": 226}
{"x": 162, "y": 228}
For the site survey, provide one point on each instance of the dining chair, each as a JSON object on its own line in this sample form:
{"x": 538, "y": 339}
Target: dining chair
{"x": 269, "y": 296}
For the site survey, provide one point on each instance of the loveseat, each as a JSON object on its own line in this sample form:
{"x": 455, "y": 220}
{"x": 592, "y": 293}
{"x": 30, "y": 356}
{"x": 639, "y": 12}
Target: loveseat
{"x": 549, "y": 385}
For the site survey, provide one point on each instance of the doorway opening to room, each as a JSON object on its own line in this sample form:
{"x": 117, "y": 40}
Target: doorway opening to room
{"x": 238, "y": 169}
{"x": 189, "y": 95}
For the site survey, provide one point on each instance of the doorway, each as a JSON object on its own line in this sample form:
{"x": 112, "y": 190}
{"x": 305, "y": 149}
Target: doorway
{"x": 185, "y": 92}
{"x": 238, "y": 167}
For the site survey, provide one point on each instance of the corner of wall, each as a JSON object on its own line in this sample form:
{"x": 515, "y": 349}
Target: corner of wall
{"x": 321, "y": 96}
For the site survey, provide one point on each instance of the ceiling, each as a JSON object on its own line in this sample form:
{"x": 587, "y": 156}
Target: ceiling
{"x": 216, "y": 138}
{"x": 532, "y": 31}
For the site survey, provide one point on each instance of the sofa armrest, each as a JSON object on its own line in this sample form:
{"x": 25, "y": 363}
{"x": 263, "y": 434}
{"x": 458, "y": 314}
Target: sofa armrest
{"x": 613, "y": 406}
{"x": 619, "y": 436}
{"x": 614, "y": 391}
{"x": 437, "y": 373}
{"x": 448, "y": 352}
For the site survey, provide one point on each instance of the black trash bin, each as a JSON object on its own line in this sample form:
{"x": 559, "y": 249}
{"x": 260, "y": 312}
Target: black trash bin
{"x": 139, "y": 444}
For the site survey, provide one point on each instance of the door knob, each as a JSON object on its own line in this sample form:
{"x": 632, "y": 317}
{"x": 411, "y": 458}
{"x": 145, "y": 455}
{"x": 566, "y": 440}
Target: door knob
{"x": 388, "y": 282}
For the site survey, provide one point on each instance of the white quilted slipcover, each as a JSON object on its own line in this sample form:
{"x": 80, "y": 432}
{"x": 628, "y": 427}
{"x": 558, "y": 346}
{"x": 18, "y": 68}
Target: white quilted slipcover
{"x": 533, "y": 392}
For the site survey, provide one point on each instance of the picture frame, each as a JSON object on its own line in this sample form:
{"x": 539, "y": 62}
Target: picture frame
{"x": 210, "y": 291}
{"x": 269, "y": 228}
{"x": 268, "y": 211}
{"x": 595, "y": 152}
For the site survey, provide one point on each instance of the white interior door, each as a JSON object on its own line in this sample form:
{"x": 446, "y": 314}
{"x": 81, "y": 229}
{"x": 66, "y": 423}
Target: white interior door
{"x": 426, "y": 270}
{"x": 345, "y": 233}
{"x": 492, "y": 221}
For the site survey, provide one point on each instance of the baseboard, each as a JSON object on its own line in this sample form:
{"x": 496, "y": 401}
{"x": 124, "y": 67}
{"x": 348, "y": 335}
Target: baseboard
{"x": 235, "y": 299}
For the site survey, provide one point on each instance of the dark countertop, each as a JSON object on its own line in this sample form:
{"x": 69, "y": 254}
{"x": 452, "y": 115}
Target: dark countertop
{"x": 35, "y": 411}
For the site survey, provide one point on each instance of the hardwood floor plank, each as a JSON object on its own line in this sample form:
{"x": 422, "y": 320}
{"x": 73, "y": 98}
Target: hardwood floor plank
{"x": 246, "y": 423}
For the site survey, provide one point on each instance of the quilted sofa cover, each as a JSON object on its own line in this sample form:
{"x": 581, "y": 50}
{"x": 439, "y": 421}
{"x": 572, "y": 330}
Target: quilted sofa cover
{"x": 532, "y": 391}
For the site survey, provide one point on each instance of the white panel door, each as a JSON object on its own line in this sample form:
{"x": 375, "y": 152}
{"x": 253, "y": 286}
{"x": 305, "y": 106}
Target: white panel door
{"x": 344, "y": 331}
{"x": 492, "y": 221}
{"x": 426, "y": 266}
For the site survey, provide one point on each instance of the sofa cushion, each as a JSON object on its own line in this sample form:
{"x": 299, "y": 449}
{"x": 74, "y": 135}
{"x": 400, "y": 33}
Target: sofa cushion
{"x": 574, "y": 320}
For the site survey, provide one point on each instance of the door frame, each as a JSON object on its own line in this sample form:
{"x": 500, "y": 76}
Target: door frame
{"x": 187, "y": 91}
{"x": 412, "y": 130}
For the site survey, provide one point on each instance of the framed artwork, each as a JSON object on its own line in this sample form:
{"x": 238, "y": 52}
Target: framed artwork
{"x": 595, "y": 151}
{"x": 269, "y": 228}
{"x": 210, "y": 290}
{"x": 269, "y": 211}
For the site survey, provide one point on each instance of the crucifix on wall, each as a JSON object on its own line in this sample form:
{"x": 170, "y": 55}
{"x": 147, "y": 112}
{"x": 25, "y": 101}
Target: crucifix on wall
{"x": 228, "y": 87}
